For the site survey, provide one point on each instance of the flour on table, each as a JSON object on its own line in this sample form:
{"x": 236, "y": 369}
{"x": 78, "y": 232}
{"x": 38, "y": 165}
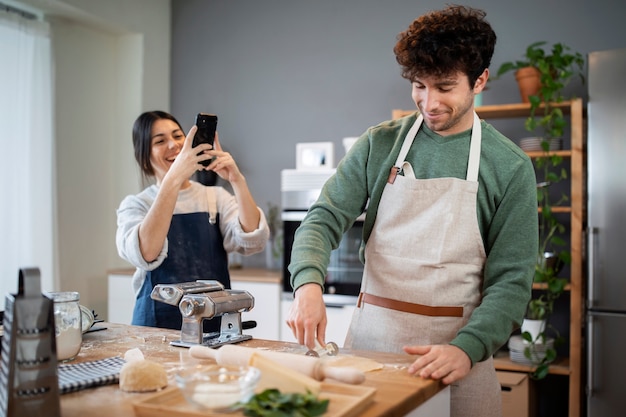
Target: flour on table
{"x": 358, "y": 362}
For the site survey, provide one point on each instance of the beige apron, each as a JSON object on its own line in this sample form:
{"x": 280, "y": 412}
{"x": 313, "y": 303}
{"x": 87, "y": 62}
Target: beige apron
{"x": 423, "y": 272}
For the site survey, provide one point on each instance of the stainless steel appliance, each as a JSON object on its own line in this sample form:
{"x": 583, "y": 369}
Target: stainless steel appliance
{"x": 606, "y": 240}
{"x": 203, "y": 300}
{"x": 299, "y": 190}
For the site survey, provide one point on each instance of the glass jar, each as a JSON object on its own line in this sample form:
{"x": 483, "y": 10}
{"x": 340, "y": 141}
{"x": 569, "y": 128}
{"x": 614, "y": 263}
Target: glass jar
{"x": 68, "y": 325}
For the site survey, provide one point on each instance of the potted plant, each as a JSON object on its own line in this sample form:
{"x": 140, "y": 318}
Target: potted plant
{"x": 547, "y": 71}
{"x": 534, "y": 324}
{"x": 538, "y": 348}
{"x": 555, "y": 69}
{"x": 274, "y": 248}
{"x": 550, "y": 260}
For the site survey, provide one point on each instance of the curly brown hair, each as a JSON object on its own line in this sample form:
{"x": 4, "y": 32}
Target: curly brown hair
{"x": 440, "y": 43}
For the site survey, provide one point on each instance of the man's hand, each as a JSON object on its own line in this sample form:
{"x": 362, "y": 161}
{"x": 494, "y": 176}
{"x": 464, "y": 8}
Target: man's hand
{"x": 307, "y": 316}
{"x": 445, "y": 362}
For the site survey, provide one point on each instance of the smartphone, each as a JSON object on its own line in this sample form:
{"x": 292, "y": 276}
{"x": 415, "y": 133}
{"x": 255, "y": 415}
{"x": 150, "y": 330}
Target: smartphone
{"x": 207, "y": 124}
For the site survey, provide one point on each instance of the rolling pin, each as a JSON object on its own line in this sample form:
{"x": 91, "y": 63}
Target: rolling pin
{"x": 308, "y": 365}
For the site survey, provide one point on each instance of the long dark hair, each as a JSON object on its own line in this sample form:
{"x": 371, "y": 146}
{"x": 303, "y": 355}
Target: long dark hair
{"x": 142, "y": 138}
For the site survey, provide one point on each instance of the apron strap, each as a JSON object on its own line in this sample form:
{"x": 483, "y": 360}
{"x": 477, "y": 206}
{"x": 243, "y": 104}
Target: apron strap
{"x": 212, "y": 204}
{"x": 473, "y": 160}
{"x": 474, "y": 155}
{"x": 404, "y": 150}
{"x": 408, "y": 141}
{"x": 407, "y": 169}
{"x": 413, "y": 308}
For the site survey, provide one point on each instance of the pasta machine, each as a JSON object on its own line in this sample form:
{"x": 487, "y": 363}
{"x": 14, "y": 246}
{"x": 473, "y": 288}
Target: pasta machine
{"x": 204, "y": 300}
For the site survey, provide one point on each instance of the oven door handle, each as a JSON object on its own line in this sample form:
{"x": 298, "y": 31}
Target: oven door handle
{"x": 293, "y": 216}
{"x": 298, "y": 216}
{"x": 334, "y": 305}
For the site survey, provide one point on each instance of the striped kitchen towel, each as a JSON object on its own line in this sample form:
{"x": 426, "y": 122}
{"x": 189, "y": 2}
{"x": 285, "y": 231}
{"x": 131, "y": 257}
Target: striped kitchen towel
{"x": 78, "y": 376}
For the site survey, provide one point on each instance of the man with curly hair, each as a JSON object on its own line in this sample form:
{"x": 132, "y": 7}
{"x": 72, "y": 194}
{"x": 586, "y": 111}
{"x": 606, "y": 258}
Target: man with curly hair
{"x": 450, "y": 234}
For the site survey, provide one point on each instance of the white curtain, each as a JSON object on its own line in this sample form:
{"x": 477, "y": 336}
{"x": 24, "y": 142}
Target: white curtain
{"x": 27, "y": 208}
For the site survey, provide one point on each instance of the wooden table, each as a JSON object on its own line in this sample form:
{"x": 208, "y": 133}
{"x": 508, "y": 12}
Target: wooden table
{"x": 398, "y": 393}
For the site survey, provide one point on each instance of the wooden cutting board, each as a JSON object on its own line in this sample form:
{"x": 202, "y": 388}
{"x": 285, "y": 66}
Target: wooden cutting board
{"x": 345, "y": 401}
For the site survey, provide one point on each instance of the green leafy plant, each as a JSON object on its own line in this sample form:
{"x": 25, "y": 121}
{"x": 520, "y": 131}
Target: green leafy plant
{"x": 276, "y": 231}
{"x": 541, "y": 360}
{"x": 551, "y": 255}
{"x": 273, "y": 403}
{"x": 556, "y": 66}
{"x": 538, "y": 308}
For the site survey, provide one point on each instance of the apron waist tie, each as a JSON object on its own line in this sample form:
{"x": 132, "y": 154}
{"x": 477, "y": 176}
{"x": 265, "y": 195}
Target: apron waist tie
{"x": 424, "y": 310}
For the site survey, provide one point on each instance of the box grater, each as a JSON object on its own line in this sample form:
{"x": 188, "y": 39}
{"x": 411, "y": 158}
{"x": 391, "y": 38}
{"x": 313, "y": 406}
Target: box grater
{"x": 29, "y": 383}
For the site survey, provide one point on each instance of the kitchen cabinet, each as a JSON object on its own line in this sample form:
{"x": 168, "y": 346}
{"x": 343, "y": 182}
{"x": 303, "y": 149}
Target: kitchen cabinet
{"x": 569, "y": 367}
{"x": 120, "y": 296}
{"x": 339, "y": 318}
{"x": 264, "y": 285}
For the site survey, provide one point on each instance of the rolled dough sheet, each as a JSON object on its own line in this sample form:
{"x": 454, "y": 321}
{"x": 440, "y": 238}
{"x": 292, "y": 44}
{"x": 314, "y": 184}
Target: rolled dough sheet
{"x": 358, "y": 362}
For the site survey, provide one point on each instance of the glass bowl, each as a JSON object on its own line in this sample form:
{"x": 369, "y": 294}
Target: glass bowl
{"x": 217, "y": 387}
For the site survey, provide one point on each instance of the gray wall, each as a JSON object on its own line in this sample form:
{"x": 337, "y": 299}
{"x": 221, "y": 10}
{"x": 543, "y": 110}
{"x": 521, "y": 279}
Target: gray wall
{"x": 278, "y": 72}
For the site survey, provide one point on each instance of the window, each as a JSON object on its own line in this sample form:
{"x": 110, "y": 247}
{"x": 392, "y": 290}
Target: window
{"x": 27, "y": 176}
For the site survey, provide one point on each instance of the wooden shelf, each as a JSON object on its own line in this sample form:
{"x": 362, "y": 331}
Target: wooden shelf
{"x": 499, "y": 111}
{"x": 543, "y": 286}
{"x": 502, "y": 362}
{"x": 504, "y": 111}
{"x": 559, "y": 209}
{"x": 540, "y": 154}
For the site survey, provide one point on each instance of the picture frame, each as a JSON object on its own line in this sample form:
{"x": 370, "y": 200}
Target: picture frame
{"x": 314, "y": 155}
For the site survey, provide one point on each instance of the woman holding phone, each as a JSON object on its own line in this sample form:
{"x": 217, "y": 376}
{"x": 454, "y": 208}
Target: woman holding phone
{"x": 179, "y": 230}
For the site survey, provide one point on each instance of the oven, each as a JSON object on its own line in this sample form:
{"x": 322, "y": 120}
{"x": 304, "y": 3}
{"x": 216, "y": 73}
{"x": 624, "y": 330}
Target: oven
{"x": 345, "y": 270}
{"x": 300, "y": 189}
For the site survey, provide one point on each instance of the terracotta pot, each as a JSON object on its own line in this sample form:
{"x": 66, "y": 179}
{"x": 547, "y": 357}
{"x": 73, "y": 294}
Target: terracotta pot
{"x": 528, "y": 81}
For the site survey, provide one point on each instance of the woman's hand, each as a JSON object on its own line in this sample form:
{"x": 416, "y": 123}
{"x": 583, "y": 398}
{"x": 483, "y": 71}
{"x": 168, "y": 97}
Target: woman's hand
{"x": 189, "y": 159}
{"x": 223, "y": 163}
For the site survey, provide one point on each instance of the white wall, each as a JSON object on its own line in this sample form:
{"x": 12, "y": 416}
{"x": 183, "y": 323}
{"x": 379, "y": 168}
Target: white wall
{"x": 112, "y": 61}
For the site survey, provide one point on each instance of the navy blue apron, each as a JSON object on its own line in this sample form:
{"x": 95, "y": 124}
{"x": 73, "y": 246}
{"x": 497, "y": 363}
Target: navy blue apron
{"x": 195, "y": 251}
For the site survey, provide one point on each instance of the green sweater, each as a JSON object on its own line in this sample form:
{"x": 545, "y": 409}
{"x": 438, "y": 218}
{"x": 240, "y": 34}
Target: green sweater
{"x": 506, "y": 212}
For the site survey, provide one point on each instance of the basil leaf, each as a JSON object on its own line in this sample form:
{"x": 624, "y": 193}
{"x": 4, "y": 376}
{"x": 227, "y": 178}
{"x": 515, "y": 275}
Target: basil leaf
{"x": 273, "y": 403}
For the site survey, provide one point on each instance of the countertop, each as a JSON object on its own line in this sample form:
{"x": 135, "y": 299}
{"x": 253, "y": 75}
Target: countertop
{"x": 397, "y": 393}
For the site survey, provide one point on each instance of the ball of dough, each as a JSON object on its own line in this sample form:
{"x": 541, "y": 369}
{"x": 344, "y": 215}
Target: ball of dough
{"x": 142, "y": 376}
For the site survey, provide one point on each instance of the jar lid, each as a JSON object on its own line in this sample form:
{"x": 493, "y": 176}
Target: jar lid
{"x": 64, "y": 296}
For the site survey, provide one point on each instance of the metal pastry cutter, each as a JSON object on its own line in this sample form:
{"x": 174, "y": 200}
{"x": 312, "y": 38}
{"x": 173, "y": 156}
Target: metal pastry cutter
{"x": 331, "y": 349}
